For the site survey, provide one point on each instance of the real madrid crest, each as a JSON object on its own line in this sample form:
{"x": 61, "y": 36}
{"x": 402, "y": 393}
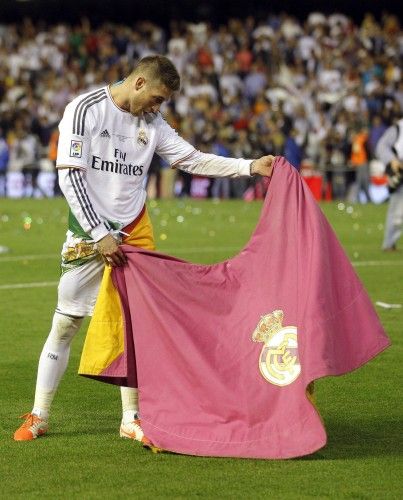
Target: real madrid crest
{"x": 278, "y": 362}
{"x": 142, "y": 138}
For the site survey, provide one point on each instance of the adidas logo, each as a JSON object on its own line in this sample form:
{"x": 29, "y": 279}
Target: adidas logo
{"x": 105, "y": 133}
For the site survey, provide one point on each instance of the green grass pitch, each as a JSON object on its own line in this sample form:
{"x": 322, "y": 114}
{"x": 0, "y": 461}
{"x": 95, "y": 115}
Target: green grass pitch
{"x": 83, "y": 457}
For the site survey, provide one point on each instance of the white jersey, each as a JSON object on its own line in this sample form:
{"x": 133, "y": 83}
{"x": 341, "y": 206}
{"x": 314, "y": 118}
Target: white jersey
{"x": 112, "y": 150}
{"x": 115, "y": 149}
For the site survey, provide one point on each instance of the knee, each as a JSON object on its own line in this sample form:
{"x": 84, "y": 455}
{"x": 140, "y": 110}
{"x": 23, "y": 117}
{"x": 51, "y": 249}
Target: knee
{"x": 64, "y": 328}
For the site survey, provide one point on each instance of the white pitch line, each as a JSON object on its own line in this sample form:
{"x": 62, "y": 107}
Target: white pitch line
{"x": 43, "y": 284}
{"x": 16, "y": 258}
{"x": 39, "y": 284}
{"x": 357, "y": 263}
{"x": 369, "y": 263}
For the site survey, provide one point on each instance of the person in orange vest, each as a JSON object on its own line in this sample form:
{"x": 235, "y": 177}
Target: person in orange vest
{"x": 52, "y": 156}
{"x": 359, "y": 160}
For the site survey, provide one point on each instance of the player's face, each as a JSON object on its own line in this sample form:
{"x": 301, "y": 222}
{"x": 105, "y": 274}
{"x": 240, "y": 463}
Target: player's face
{"x": 148, "y": 97}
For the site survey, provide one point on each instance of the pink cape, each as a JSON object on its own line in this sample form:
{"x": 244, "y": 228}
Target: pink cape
{"x": 206, "y": 388}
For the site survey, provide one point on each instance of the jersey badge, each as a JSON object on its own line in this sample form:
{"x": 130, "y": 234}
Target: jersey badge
{"x": 76, "y": 149}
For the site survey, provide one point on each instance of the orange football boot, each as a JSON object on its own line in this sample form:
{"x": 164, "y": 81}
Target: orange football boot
{"x": 133, "y": 430}
{"x": 33, "y": 427}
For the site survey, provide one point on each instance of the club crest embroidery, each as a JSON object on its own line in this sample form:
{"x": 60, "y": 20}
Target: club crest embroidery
{"x": 142, "y": 138}
{"x": 278, "y": 362}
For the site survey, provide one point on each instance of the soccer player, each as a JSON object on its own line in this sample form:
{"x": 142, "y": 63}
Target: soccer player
{"x": 107, "y": 140}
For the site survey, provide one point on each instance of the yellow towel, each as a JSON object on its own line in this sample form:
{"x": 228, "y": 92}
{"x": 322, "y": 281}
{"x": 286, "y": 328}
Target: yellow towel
{"x": 104, "y": 341}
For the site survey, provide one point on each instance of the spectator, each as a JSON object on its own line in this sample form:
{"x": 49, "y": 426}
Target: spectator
{"x": 359, "y": 160}
{"x": 255, "y": 75}
{"x": 292, "y": 151}
{"x": 220, "y": 187}
{"x": 376, "y": 132}
{"x": 24, "y": 156}
{"x": 4, "y": 157}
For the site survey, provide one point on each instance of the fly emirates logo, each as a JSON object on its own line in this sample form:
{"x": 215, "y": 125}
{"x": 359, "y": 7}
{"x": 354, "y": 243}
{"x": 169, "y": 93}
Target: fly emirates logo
{"x": 117, "y": 166}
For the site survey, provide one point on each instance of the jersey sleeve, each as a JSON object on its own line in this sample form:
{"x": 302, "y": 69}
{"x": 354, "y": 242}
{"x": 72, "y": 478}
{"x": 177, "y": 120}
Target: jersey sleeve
{"x": 73, "y": 184}
{"x": 75, "y": 136}
{"x": 209, "y": 165}
{"x": 179, "y": 153}
{"x": 170, "y": 146}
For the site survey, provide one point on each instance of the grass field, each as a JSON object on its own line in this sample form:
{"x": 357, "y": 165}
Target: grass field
{"x": 83, "y": 456}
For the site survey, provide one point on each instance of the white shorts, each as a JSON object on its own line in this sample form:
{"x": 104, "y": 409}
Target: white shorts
{"x": 78, "y": 288}
{"x": 83, "y": 268}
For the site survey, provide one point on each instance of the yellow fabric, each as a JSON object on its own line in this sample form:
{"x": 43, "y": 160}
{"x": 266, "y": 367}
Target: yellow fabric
{"x": 105, "y": 336}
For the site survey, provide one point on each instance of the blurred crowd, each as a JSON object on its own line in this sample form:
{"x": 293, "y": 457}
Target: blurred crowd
{"x": 320, "y": 91}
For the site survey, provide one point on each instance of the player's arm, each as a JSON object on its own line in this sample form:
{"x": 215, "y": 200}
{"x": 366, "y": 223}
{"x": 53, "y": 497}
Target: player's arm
{"x": 180, "y": 154}
{"x": 72, "y": 160}
{"x": 210, "y": 165}
{"x": 74, "y": 187}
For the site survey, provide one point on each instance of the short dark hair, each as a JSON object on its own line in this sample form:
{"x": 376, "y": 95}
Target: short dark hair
{"x": 161, "y": 68}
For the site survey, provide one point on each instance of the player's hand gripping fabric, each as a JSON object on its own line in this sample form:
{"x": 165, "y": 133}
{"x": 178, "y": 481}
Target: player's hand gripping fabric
{"x": 110, "y": 251}
{"x": 262, "y": 166}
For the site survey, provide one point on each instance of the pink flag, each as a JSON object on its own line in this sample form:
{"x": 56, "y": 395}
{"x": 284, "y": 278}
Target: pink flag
{"x": 225, "y": 352}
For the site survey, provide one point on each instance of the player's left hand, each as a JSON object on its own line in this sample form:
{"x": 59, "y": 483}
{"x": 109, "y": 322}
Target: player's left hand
{"x": 263, "y": 166}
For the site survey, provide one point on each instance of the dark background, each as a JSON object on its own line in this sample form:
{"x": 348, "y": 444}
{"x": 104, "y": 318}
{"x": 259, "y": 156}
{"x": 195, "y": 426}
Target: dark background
{"x": 161, "y": 12}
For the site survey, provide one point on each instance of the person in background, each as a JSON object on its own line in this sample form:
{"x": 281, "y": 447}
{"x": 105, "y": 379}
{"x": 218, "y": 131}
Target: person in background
{"x": 376, "y": 131}
{"x": 292, "y": 151}
{"x": 4, "y": 157}
{"x": 359, "y": 160}
{"x": 390, "y": 151}
{"x": 52, "y": 156}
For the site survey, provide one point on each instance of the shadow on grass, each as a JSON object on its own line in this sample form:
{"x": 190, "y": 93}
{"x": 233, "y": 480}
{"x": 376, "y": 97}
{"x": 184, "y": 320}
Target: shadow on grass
{"x": 358, "y": 438}
{"x": 88, "y": 433}
{"x": 361, "y": 438}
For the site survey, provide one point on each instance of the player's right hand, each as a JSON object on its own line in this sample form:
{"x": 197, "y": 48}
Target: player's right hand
{"x": 111, "y": 253}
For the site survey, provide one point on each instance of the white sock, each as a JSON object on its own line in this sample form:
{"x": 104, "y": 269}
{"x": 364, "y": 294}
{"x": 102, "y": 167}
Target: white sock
{"x": 43, "y": 400}
{"x": 53, "y": 361}
{"x": 130, "y": 404}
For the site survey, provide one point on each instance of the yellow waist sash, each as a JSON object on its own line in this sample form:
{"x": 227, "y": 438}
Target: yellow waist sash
{"x": 105, "y": 336}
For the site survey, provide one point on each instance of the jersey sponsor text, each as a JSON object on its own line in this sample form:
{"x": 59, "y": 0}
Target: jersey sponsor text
{"x": 116, "y": 166}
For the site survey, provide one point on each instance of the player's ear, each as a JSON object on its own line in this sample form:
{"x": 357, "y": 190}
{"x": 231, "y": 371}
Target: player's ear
{"x": 139, "y": 82}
